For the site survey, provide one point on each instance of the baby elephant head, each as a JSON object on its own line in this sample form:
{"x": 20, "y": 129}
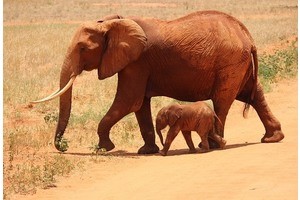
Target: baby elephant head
{"x": 167, "y": 116}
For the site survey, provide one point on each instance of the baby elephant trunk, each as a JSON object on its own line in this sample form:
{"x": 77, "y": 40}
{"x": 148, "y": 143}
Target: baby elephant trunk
{"x": 160, "y": 123}
{"x": 158, "y": 131}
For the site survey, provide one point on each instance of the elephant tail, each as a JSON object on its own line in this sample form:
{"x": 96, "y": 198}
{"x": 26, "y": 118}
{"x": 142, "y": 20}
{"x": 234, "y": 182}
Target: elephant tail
{"x": 217, "y": 119}
{"x": 254, "y": 62}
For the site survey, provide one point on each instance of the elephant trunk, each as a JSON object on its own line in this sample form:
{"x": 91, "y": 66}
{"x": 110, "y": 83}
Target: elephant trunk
{"x": 65, "y": 103}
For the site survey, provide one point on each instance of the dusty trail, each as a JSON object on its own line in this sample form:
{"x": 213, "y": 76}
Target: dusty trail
{"x": 245, "y": 169}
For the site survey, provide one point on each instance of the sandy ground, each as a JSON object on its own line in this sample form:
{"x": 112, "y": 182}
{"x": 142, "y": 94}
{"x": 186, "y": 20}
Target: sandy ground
{"x": 245, "y": 169}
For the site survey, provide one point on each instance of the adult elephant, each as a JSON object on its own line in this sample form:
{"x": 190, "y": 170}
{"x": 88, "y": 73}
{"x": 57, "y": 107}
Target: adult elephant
{"x": 204, "y": 55}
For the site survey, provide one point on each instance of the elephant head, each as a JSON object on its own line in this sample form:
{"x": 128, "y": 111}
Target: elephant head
{"x": 107, "y": 46}
{"x": 167, "y": 116}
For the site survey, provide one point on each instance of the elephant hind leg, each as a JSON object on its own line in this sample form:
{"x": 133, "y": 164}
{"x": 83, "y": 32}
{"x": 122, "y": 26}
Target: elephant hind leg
{"x": 222, "y": 103}
{"x": 259, "y": 103}
{"x": 188, "y": 138}
{"x": 203, "y": 133}
{"x": 226, "y": 88}
{"x": 218, "y": 139}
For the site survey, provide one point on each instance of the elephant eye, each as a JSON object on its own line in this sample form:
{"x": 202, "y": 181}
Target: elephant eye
{"x": 82, "y": 48}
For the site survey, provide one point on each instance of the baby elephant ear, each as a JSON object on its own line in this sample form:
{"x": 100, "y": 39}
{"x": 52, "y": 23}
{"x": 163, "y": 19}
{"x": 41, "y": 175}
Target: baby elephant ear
{"x": 125, "y": 41}
{"x": 174, "y": 113}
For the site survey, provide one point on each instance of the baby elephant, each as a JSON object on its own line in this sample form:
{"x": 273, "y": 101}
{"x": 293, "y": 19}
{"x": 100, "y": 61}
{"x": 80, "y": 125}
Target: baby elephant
{"x": 197, "y": 117}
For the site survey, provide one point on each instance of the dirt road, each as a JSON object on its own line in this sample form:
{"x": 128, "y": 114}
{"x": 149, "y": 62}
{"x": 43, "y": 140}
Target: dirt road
{"x": 245, "y": 169}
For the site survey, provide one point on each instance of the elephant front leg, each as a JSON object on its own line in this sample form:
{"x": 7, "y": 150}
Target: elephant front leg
{"x": 144, "y": 119}
{"x": 172, "y": 133}
{"x": 111, "y": 118}
{"x": 118, "y": 110}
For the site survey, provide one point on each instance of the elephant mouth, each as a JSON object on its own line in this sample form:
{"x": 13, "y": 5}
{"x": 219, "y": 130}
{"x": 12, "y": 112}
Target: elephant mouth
{"x": 58, "y": 92}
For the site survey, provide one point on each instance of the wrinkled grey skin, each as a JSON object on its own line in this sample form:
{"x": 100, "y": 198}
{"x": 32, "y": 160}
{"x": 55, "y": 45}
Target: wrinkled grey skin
{"x": 197, "y": 117}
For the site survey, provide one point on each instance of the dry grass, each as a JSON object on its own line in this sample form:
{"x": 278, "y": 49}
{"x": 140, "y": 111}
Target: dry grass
{"x": 36, "y": 36}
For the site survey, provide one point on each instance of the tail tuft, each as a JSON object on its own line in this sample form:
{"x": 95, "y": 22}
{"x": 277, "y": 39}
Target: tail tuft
{"x": 246, "y": 110}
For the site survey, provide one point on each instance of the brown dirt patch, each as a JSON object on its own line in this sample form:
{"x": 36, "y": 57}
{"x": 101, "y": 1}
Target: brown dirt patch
{"x": 245, "y": 169}
{"x": 283, "y": 44}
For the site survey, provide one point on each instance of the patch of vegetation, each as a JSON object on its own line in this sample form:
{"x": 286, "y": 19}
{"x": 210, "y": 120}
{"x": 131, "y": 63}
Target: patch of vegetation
{"x": 85, "y": 117}
{"x": 26, "y": 177}
{"x": 99, "y": 154}
{"x": 51, "y": 117}
{"x": 280, "y": 65}
{"x": 63, "y": 144}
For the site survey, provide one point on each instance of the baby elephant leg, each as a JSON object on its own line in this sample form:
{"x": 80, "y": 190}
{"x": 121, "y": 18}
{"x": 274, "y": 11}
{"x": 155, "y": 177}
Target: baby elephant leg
{"x": 188, "y": 138}
{"x": 218, "y": 139}
{"x": 172, "y": 133}
{"x": 204, "y": 139}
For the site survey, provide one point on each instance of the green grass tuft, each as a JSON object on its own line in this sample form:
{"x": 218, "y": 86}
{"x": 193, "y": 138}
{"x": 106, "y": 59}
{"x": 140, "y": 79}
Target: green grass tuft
{"x": 280, "y": 65}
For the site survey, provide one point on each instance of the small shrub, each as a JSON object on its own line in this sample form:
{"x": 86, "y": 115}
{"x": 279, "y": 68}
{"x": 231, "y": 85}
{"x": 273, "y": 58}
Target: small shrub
{"x": 25, "y": 178}
{"x": 51, "y": 117}
{"x": 282, "y": 64}
{"x": 63, "y": 144}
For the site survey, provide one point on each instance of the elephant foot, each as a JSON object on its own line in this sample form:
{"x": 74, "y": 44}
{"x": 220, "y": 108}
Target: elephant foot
{"x": 148, "y": 149}
{"x": 107, "y": 145}
{"x": 163, "y": 153}
{"x": 276, "y": 136}
{"x": 212, "y": 144}
{"x": 222, "y": 143}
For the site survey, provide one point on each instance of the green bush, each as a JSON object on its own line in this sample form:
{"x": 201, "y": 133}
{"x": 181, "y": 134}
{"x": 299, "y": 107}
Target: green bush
{"x": 282, "y": 64}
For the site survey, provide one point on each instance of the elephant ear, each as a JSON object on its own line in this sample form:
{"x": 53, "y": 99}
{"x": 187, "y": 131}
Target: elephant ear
{"x": 110, "y": 17}
{"x": 125, "y": 41}
{"x": 174, "y": 113}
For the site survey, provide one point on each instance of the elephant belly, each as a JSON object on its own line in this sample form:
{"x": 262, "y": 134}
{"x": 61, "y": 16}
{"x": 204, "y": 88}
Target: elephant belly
{"x": 183, "y": 85}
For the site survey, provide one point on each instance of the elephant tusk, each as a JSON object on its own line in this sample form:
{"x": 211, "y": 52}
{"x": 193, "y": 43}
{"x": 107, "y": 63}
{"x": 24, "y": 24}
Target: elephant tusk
{"x": 58, "y": 92}
{"x": 47, "y": 96}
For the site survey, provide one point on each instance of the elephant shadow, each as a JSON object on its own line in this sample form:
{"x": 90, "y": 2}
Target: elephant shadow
{"x": 234, "y": 146}
{"x": 117, "y": 153}
{"x": 174, "y": 152}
